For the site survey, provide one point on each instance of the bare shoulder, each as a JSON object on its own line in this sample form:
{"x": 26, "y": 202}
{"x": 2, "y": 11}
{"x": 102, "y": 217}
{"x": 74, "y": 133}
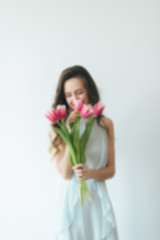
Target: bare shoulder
{"x": 106, "y": 121}
{"x": 108, "y": 124}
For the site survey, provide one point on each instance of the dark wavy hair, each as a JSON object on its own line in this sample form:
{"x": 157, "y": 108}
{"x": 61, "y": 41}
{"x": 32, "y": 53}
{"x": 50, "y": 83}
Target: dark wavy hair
{"x": 93, "y": 96}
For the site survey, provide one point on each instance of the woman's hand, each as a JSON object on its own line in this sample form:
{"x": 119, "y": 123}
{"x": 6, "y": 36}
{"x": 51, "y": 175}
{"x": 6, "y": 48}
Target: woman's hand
{"x": 72, "y": 116}
{"x": 82, "y": 171}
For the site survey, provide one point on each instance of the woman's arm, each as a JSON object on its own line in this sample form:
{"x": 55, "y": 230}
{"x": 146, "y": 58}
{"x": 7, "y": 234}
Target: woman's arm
{"x": 62, "y": 159}
{"x": 63, "y": 164}
{"x": 109, "y": 170}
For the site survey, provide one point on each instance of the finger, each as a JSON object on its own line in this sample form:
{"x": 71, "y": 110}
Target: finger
{"x": 80, "y": 174}
{"x": 79, "y": 177}
{"x": 79, "y": 165}
{"x": 75, "y": 167}
{"x": 78, "y": 170}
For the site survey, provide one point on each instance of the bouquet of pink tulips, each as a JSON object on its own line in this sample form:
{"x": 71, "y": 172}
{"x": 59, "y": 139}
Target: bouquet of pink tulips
{"x": 75, "y": 142}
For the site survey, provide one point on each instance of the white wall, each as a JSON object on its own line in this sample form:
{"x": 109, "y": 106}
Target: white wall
{"x": 118, "y": 42}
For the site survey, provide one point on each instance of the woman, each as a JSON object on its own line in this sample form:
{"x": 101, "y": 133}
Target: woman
{"x": 93, "y": 220}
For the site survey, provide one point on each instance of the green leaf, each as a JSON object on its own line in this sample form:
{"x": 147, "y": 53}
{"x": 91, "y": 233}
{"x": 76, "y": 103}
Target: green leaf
{"x": 68, "y": 142}
{"x": 86, "y": 134}
{"x": 71, "y": 160}
{"x": 75, "y": 136}
{"x": 61, "y": 133}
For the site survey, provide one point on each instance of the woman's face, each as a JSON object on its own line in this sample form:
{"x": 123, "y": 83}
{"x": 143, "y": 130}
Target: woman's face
{"x": 74, "y": 89}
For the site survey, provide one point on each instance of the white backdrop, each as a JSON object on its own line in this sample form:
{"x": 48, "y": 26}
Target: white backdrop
{"x": 118, "y": 42}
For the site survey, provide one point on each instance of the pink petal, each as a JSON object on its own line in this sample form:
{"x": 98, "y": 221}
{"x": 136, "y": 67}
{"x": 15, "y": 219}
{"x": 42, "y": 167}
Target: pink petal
{"x": 78, "y": 104}
{"x": 98, "y": 108}
{"x": 50, "y": 118}
{"x": 53, "y": 111}
{"x": 86, "y": 111}
{"x": 61, "y": 111}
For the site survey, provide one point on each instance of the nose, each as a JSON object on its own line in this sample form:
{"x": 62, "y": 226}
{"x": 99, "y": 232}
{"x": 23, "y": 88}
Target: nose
{"x": 75, "y": 97}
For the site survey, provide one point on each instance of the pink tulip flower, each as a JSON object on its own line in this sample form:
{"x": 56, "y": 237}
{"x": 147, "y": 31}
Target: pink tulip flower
{"x": 86, "y": 111}
{"x": 56, "y": 115}
{"x": 61, "y": 111}
{"x": 78, "y": 104}
{"x": 52, "y": 116}
{"x": 98, "y": 109}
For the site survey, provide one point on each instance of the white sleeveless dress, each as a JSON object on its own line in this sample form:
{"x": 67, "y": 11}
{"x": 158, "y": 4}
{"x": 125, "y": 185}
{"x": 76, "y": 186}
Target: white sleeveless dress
{"x": 93, "y": 220}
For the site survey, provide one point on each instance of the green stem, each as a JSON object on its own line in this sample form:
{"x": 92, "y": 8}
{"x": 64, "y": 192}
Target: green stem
{"x": 83, "y": 191}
